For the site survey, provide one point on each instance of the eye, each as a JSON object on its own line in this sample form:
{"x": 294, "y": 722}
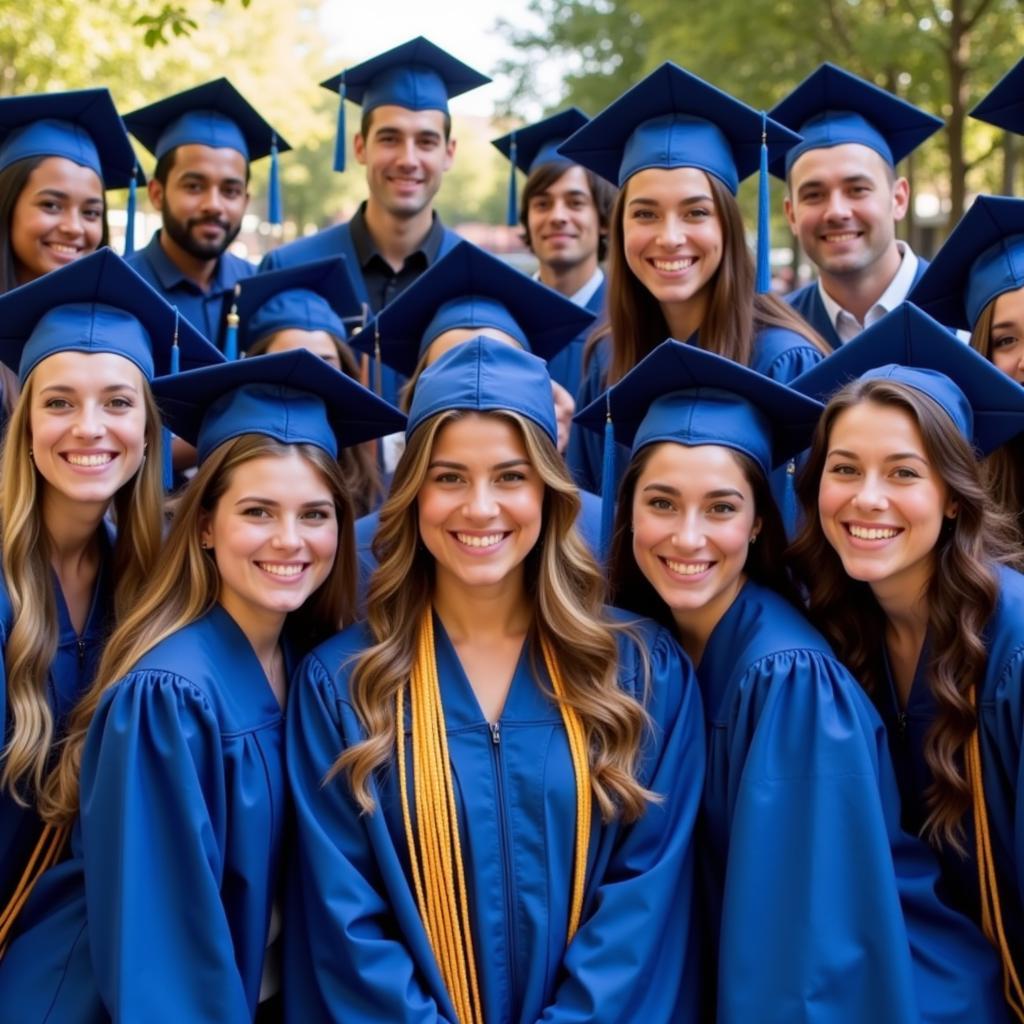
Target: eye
{"x": 94, "y": 213}
{"x": 859, "y": 190}
{"x": 56, "y": 403}
{"x": 231, "y": 193}
{"x": 660, "y": 505}
{"x": 256, "y": 512}
{"x": 121, "y": 402}
{"x": 50, "y": 205}
{"x": 317, "y": 515}
{"x": 641, "y": 214}
{"x": 447, "y": 477}
{"x": 699, "y": 213}
{"x": 1005, "y": 341}
{"x": 512, "y": 476}
{"x": 905, "y": 473}
{"x": 842, "y": 469}
{"x": 722, "y": 508}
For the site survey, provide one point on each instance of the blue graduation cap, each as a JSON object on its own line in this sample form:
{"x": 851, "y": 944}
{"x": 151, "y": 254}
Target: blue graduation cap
{"x": 683, "y": 394}
{"x": 831, "y": 107}
{"x": 535, "y": 144}
{"x": 485, "y": 375}
{"x": 214, "y": 114}
{"x": 908, "y": 346}
{"x": 672, "y": 118}
{"x": 416, "y": 75}
{"x": 472, "y": 289}
{"x": 1004, "y": 105}
{"x": 315, "y": 296}
{"x": 982, "y": 258}
{"x": 293, "y": 397}
{"x": 82, "y": 126}
{"x": 98, "y": 304}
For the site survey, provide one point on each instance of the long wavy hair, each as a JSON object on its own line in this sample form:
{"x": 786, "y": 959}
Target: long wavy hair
{"x": 184, "y": 585}
{"x": 1003, "y": 470}
{"x": 358, "y": 462}
{"x": 636, "y": 323}
{"x": 961, "y": 593}
{"x": 565, "y": 588}
{"x": 26, "y": 553}
{"x": 630, "y": 588}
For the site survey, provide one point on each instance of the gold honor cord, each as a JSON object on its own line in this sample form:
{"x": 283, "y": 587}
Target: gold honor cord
{"x": 991, "y": 911}
{"x": 435, "y": 850}
{"x": 45, "y": 854}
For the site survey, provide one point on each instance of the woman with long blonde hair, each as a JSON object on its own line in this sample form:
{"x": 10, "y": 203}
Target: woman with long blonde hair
{"x": 495, "y": 779}
{"x": 172, "y": 776}
{"x": 83, "y": 443}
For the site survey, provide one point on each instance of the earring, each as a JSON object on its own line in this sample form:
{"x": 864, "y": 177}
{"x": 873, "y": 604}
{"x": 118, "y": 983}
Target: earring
{"x": 31, "y": 454}
{"x": 753, "y": 539}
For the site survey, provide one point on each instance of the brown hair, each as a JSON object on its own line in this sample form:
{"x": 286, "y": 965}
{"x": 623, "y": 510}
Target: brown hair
{"x": 366, "y": 123}
{"x": 961, "y": 593}
{"x": 637, "y": 325}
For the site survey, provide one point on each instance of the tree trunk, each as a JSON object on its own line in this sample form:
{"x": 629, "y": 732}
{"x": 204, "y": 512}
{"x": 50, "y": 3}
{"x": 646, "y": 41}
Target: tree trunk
{"x": 957, "y": 57}
{"x": 1009, "y": 164}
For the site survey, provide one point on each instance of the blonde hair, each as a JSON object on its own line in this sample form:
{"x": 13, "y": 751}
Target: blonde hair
{"x": 32, "y": 640}
{"x": 566, "y": 589}
{"x": 184, "y": 586}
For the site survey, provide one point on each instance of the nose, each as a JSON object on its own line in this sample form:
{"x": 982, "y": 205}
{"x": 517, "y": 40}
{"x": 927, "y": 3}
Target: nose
{"x": 407, "y": 156}
{"x": 838, "y": 207}
{"x": 213, "y": 200}
{"x": 481, "y": 504}
{"x": 88, "y": 422}
{"x": 689, "y": 533}
{"x": 672, "y": 232}
{"x": 559, "y": 212}
{"x": 870, "y": 496}
{"x": 286, "y": 536}
{"x": 71, "y": 223}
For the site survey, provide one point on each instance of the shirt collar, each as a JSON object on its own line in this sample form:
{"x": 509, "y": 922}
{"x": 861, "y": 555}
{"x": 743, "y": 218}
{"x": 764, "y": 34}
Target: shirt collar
{"x": 586, "y": 293}
{"x": 170, "y": 275}
{"x": 366, "y": 247}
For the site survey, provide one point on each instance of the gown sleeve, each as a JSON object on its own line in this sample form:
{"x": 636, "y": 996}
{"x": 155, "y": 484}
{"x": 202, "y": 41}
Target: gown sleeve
{"x": 153, "y": 814}
{"x": 787, "y": 365}
{"x": 829, "y": 911}
{"x": 346, "y": 957}
{"x": 634, "y": 955}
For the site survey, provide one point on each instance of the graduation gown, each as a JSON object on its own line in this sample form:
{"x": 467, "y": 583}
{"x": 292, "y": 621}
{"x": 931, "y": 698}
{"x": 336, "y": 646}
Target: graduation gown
{"x": 566, "y": 366}
{"x": 162, "y": 909}
{"x": 1000, "y": 695}
{"x": 355, "y": 947}
{"x": 822, "y": 909}
{"x": 74, "y": 664}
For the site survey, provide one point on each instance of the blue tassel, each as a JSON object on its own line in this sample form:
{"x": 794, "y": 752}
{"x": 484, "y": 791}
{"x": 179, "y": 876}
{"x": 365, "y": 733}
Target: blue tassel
{"x": 513, "y": 205}
{"x": 764, "y": 240}
{"x": 175, "y": 351}
{"x": 790, "y": 508}
{"x": 378, "y": 382}
{"x": 168, "y": 437}
{"x": 274, "y": 201}
{"x": 339, "y": 142}
{"x": 607, "y": 482}
{"x": 129, "y": 227}
{"x": 231, "y": 334}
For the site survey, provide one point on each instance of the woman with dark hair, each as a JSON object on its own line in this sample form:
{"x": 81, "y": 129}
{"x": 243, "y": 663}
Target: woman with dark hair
{"x": 801, "y": 838}
{"x": 904, "y": 555}
{"x": 679, "y": 265}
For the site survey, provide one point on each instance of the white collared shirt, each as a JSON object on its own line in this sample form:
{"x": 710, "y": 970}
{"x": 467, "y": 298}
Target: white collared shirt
{"x": 586, "y": 293}
{"x": 846, "y": 324}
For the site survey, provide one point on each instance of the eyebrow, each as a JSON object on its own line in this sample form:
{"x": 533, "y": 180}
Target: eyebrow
{"x": 197, "y": 176}
{"x": 721, "y": 492}
{"x": 1003, "y": 325}
{"x": 256, "y": 499}
{"x": 66, "y": 389}
{"x": 444, "y": 464}
{"x": 58, "y": 194}
{"x": 896, "y": 457}
{"x": 645, "y": 201}
{"x": 851, "y": 179}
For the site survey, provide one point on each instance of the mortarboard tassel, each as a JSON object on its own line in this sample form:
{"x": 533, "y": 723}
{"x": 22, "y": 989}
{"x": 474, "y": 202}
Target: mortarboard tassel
{"x": 274, "y": 201}
{"x": 607, "y": 481}
{"x": 129, "y": 227}
{"x": 339, "y": 142}
{"x": 231, "y": 334}
{"x": 513, "y": 206}
{"x": 764, "y": 240}
{"x": 378, "y": 383}
{"x": 168, "y": 437}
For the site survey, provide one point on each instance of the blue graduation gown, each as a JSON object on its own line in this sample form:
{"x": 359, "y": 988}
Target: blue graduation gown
{"x": 807, "y": 302}
{"x": 822, "y": 909}
{"x": 162, "y": 909}
{"x": 355, "y": 947}
{"x": 1000, "y": 697}
{"x": 566, "y": 366}
{"x": 74, "y": 664}
{"x": 204, "y": 310}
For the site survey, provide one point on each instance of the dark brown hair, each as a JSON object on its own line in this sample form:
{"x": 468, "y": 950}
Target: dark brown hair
{"x": 961, "y": 594}
{"x": 366, "y": 123}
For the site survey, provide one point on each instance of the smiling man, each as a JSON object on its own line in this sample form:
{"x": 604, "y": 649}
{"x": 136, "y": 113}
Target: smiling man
{"x": 405, "y": 144}
{"x": 844, "y": 198}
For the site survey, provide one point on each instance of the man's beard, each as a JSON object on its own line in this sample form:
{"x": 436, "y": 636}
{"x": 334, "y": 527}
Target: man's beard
{"x": 181, "y": 233}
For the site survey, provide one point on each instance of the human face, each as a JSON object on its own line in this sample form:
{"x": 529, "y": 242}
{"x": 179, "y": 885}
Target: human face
{"x": 88, "y": 424}
{"x": 672, "y": 235}
{"x": 274, "y": 536}
{"x": 693, "y": 523}
{"x": 880, "y": 501}
{"x": 405, "y": 154}
{"x": 480, "y": 507}
{"x": 320, "y": 343}
{"x": 563, "y": 222}
{"x": 204, "y": 200}
{"x": 57, "y": 218}
{"x": 1006, "y": 339}
{"x": 843, "y": 205}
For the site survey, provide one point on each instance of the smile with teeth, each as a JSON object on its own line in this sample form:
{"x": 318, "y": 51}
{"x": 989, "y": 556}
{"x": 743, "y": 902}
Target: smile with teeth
{"x": 687, "y": 568}
{"x": 872, "y": 532}
{"x": 842, "y": 236}
{"x": 672, "y": 266}
{"x": 64, "y": 250}
{"x": 475, "y": 541}
{"x": 284, "y": 570}
{"x": 89, "y": 461}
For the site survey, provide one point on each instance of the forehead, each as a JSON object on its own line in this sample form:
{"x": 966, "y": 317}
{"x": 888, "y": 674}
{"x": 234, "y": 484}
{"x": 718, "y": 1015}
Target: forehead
{"x": 872, "y": 427}
{"x": 694, "y": 468}
{"x": 287, "y": 479}
{"x": 222, "y": 162}
{"x": 477, "y": 437}
{"x": 411, "y": 122}
{"x": 64, "y": 175}
{"x": 86, "y": 370}
{"x": 1009, "y": 306}
{"x": 668, "y": 184}
{"x": 834, "y": 164}
{"x": 572, "y": 180}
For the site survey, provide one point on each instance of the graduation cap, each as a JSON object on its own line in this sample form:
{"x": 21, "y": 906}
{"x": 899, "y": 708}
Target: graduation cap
{"x": 315, "y": 296}
{"x": 293, "y": 397}
{"x": 982, "y": 258}
{"x": 472, "y": 289}
{"x": 909, "y": 347}
{"x": 672, "y": 118}
{"x": 485, "y": 375}
{"x": 98, "y": 304}
{"x": 215, "y": 114}
{"x": 831, "y": 107}
{"x": 1004, "y": 105}
{"x": 82, "y": 126}
{"x": 535, "y": 144}
{"x": 683, "y": 394}
{"x": 416, "y": 75}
